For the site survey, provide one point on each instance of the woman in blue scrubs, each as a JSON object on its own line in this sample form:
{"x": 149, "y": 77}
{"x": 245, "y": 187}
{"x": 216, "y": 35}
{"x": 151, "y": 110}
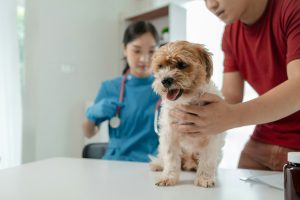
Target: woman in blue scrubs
{"x": 128, "y": 101}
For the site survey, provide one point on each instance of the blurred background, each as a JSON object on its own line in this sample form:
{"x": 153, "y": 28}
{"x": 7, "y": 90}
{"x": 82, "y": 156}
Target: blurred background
{"x": 54, "y": 54}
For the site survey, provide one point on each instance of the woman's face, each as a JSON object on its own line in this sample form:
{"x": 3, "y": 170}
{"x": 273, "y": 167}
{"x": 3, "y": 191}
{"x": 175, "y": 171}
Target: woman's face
{"x": 138, "y": 54}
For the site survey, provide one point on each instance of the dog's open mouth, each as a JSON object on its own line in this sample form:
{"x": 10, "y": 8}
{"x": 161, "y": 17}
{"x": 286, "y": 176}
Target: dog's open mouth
{"x": 174, "y": 94}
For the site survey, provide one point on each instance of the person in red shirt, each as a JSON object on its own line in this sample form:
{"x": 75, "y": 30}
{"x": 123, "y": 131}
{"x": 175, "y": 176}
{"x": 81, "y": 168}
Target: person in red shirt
{"x": 261, "y": 45}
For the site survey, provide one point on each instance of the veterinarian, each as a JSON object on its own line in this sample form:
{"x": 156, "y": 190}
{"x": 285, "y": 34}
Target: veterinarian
{"x": 261, "y": 44}
{"x": 128, "y": 101}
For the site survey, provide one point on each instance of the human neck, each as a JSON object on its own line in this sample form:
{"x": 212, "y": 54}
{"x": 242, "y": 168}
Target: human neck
{"x": 138, "y": 75}
{"x": 254, "y": 11}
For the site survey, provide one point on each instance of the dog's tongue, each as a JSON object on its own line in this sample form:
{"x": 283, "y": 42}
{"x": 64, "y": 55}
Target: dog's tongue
{"x": 172, "y": 94}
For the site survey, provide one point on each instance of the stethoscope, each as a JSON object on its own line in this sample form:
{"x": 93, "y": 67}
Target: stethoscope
{"x": 116, "y": 121}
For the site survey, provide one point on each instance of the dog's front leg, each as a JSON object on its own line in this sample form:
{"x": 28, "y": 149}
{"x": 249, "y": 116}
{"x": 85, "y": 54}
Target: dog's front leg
{"x": 207, "y": 166}
{"x": 170, "y": 152}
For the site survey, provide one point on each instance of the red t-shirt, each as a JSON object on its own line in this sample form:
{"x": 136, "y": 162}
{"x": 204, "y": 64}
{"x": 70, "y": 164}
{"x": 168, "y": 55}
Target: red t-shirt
{"x": 261, "y": 52}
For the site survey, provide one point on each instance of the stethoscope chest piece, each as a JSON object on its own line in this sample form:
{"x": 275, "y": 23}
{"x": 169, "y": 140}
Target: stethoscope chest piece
{"x": 115, "y": 122}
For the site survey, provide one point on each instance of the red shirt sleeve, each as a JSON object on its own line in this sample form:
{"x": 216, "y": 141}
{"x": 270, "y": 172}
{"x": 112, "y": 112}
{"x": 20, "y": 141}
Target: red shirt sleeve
{"x": 291, "y": 21}
{"x": 229, "y": 61}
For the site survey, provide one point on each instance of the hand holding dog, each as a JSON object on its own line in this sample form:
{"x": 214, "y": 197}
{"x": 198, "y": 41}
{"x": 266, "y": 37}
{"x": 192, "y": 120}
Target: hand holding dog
{"x": 102, "y": 110}
{"x": 212, "y": 118}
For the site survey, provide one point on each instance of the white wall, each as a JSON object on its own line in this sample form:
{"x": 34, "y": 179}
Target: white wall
{"x": 70, "y": 47}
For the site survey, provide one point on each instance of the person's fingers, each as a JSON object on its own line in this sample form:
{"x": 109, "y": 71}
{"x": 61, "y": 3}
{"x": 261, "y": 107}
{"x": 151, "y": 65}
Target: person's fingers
{"x": 185, "y": 128}
{"x": 121, "y": 104}
{"x": 191, "y": 130}
{"x": 189, "y": 109}
{"x": 183, "y": 116}
{"x": 200, "y": 110}
{"x": 210, "y": 98}
{"x": 117, "y": 104}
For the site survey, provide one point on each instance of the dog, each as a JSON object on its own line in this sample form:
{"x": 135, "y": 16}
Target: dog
{"x": 182, "y": 72}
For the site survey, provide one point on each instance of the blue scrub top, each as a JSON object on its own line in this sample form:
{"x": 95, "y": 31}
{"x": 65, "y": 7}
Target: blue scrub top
{"x": 135, "y": 138}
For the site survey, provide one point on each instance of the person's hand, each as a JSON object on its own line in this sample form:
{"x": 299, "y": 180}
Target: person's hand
{"x": 102, "y": 110}
{"x": 212, "y": 118}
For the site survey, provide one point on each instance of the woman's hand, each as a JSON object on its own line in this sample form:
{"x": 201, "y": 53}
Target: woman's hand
{"x": 213, "y": 118}
{"x": 102, "y": 110}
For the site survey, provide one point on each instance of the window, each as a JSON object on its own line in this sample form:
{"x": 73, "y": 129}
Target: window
{"x": 10, "y": 88}
{"x": 21, "y": 33}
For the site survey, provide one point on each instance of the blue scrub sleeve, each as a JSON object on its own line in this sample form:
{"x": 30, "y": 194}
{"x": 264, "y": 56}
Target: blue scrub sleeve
{"x": 102, "y": 93}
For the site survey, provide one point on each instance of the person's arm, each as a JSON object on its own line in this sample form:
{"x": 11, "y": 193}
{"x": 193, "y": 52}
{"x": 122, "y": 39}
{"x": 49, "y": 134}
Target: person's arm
{"x": 89, "y": 128}
{"x": 219, "y": 115}
{"x": 233, "y": 87}
{"x": 104, "y": 108}
{"x": 277, "y": 103}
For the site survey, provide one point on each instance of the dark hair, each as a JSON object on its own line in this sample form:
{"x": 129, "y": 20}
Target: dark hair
{"x": 135, "y": 30}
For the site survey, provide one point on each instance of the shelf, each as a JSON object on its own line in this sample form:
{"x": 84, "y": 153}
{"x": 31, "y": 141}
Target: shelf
{"x": 171, "y": 15}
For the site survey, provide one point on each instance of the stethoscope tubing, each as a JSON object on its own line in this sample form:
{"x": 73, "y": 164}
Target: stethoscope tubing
{"x": 121, "y": 99}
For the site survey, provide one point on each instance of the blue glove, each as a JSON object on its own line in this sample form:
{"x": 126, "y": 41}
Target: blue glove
{"x": 103, "y": 110}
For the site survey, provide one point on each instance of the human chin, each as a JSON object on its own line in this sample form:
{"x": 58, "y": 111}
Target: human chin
{"x": 145, "y": 72}
{"x": 228, "y": 20}
{"x": 139, "y": 72}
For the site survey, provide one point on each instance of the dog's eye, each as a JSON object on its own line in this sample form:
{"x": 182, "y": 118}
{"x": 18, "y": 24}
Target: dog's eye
{"x": 181, "y": 65}
{"x": 160, "y": 66}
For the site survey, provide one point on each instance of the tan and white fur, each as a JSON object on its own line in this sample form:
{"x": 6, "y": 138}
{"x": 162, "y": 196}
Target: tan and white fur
{"x": 182, "y": 72}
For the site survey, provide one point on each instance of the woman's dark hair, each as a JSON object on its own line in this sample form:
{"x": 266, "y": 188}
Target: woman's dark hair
{"x": 135, "y": 30}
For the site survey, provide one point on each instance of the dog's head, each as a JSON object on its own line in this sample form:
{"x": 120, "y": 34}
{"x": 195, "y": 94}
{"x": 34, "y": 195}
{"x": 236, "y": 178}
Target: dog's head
{"x": 180, "y": 68}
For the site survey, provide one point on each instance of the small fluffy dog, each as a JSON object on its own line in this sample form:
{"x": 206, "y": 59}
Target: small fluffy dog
{"x": 182, "y": 72}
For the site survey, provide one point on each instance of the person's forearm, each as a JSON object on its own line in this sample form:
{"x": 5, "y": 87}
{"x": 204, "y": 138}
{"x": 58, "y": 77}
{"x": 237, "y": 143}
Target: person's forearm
{"x": 89, "y": 128}
{"x": 232, "y": 98}
{"x": 273, "y": 105}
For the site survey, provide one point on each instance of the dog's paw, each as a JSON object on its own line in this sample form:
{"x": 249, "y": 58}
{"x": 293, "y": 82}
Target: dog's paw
{"x": 204, "y": 182}
{"x": 154, "y": 166}
{"x": 166, "y": 181}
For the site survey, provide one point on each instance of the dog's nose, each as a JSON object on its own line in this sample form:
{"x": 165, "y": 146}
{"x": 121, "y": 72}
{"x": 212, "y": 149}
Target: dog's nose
{"x": 167, "y": 82}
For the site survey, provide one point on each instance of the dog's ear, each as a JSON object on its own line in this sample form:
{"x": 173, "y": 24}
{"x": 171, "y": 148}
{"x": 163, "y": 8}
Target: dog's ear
{"x": 206, "y": 59}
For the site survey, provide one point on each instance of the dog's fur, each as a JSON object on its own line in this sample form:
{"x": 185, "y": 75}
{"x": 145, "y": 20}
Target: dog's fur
{"x": 182, "y": 72}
